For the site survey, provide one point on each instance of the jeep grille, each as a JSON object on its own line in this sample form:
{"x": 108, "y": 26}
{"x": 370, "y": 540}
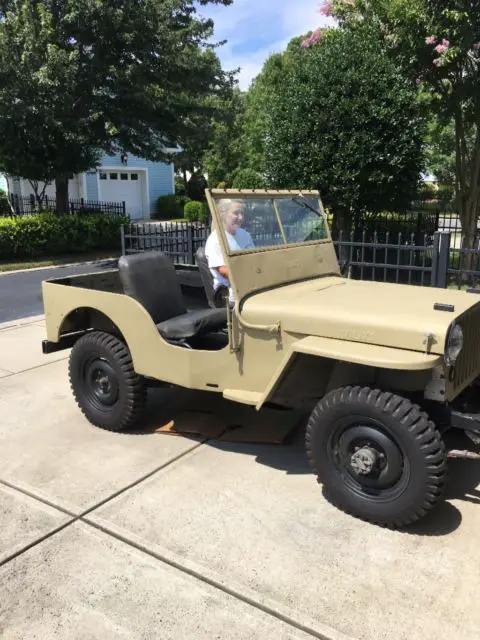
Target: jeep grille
{"x": 467, "y": 366}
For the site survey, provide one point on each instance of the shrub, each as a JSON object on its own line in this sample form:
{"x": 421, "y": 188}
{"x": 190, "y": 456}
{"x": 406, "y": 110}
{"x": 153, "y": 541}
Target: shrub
{"x": 46, "y": 235}
{"x": 180, "y": 187}
{"x": 196, "y": 211}
{"x": 196, "y": 187}
{"x": 248, "y": 179}
{"x": 170, "y": 207}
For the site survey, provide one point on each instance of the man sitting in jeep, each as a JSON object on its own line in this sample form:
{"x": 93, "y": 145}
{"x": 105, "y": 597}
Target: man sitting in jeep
{"x": 232, "y": 216}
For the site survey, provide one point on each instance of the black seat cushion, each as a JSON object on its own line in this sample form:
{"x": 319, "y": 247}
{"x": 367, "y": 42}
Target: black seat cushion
{"x": 151, "y": 279}
{"x": 193, "y": 323}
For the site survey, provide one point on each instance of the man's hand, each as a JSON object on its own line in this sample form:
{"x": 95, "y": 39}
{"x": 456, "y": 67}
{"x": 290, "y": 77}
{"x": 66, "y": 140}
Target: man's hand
{"x": 223, "y": 271}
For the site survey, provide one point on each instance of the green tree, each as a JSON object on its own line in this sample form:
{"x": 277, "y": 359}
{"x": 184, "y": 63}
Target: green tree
{"x": 257, "y": 100}
{"x": 437, "y": 42}
{"x": 345, "y": 121}
{"x": 248, "y": 179}
{"x": 225, "y": 153}
{"x": 80, "y": 77}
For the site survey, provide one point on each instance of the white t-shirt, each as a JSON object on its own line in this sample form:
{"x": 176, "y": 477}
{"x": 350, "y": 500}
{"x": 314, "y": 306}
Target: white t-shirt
{"x": 213, "y": 252}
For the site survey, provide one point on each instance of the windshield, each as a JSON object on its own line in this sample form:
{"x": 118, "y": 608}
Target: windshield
{"x": 270, "y": 221}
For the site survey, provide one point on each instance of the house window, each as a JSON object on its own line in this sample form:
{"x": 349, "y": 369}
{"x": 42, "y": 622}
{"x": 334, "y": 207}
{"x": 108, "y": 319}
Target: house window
{"x": 134, "y": 176}
{"x": 124, "y": 176}
{"x": 114, "y": 176}
{"x": 103, "y": 176}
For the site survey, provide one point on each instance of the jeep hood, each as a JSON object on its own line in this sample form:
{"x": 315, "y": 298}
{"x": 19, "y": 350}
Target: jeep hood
{"x": 375, "y": 313}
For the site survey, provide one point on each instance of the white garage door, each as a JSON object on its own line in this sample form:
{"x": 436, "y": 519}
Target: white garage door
{"x": 128, "y": 186}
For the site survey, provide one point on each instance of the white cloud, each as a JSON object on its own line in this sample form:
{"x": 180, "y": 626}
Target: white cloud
{"x": 254, "y": 29}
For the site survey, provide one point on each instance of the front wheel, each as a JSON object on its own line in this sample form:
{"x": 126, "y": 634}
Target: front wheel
{"x": 379, "y": 457}
{"x": 108, "y": 391}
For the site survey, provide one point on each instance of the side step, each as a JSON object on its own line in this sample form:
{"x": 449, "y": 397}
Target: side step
{"x": 244, "y": 397}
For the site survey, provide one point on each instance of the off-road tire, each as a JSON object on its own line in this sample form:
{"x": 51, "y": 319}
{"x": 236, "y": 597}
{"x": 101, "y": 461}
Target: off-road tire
{"x": 127, "y": 400}
{"x": 422, "y": 455}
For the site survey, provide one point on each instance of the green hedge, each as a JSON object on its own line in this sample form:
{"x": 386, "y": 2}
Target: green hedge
{"x": 46, "y": 235}
{"x": 196, "y": 211}
{"x": 170, "y": 207}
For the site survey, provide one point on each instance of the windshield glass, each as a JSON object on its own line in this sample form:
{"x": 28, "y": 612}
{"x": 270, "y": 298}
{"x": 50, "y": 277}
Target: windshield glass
{"x": 271, "y": 221}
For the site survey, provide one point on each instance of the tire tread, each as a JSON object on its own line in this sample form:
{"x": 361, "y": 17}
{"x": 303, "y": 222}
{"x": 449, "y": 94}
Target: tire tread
{"x": 416, "y": 422}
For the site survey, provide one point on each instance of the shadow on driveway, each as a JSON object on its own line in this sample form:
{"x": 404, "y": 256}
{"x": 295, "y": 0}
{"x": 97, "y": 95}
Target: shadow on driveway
{"x": 290, "y": 458}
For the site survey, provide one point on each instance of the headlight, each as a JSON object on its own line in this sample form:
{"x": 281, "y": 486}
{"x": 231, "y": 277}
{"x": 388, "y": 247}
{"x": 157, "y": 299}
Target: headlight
{"x": 454, "y": 344}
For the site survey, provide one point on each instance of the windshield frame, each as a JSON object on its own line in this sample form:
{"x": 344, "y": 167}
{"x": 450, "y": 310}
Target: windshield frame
{"x": 214, "y": 195}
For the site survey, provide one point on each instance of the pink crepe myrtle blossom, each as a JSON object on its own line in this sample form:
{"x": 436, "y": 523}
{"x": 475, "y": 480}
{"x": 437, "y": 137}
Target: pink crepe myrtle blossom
{"x": 315, "y": 37}
{"x": 441, "y": 48}
{"x": 326, "y": 9}
{"x": 430, "y": 40}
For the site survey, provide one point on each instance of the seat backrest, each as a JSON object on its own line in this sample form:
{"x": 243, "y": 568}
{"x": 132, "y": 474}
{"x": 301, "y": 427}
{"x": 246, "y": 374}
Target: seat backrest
{"x": 206, "y": 276}
{"x": 151, "y": 279}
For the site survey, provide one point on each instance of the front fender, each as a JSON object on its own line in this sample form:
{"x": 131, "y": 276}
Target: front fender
{"x": 354, "y": 352}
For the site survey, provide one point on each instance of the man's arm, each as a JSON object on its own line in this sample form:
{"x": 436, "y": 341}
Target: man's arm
{"x": 215, "y": 257}
{"x": 223, "y": 271}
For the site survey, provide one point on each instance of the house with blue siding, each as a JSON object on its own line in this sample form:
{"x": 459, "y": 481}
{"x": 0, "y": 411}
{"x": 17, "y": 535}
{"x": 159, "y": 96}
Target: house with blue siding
{"x": 118, "y": 178}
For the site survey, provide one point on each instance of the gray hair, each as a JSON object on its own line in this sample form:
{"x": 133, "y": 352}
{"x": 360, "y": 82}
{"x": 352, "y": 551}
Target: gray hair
{"x": 224, "y": 205}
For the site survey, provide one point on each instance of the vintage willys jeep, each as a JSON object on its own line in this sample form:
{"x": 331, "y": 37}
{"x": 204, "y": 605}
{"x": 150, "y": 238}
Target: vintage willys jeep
{"x": 385, "y": 369}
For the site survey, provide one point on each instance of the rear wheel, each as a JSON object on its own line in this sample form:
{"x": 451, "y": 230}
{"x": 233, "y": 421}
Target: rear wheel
{"x": 108, "y": 391}
{"x": 379, "y": 457}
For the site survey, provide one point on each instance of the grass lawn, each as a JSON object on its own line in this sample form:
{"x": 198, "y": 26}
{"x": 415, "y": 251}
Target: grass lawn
{"x": 58, "y": 260}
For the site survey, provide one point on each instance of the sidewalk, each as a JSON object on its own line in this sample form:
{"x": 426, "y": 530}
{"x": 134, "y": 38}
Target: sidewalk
{"x": 143, "y": 535}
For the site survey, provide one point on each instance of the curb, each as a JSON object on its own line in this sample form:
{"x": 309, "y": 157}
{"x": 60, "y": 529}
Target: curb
{"x": 21, "y": 322}
{"x": 58, "y": 266}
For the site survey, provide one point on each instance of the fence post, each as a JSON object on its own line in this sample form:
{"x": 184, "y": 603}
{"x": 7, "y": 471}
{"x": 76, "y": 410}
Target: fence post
{"x": 122, "y": 235}
{"x": 441, "y": 259}
{"x": 190, "y": 243}
{"x": 124, "y": 209}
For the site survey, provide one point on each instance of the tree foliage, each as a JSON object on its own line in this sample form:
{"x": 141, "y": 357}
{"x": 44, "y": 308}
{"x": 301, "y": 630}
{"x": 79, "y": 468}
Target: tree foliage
{"x": 225, "y": 152}
{"x": 341, "y": 118}
{"x": 80, "y": 77}
{"x": 436, "y": 42}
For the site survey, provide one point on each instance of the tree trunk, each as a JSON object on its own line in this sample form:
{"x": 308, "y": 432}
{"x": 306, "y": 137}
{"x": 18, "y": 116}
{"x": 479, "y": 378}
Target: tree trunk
{"x": 61, "y": 194}
{"x": 468, "y": 192}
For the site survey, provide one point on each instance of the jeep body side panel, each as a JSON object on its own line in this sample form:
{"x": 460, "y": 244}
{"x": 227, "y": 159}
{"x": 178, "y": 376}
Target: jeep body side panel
{"x": 375, "y": 357}
{"x": 248, "y": 370}
{"x": 152, "y": 356}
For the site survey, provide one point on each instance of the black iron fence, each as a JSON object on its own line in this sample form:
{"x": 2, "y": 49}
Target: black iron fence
{"x": 177, "y": 240}
{"x": 28, "y": 205}
{"x": 437, "y": 260}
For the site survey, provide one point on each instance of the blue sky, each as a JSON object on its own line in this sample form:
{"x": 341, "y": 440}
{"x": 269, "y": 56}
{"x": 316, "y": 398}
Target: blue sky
{"x": 256, "y": 28}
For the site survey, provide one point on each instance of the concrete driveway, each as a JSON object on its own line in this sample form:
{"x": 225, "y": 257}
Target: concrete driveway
{"x": 146, "y": 535}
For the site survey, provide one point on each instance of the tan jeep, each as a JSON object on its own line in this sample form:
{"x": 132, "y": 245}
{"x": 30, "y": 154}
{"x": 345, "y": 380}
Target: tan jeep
{"x": 385, "y": 368}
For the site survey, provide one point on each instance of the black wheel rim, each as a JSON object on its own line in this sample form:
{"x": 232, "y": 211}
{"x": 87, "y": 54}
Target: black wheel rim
{"x": 369, "y": 459}
{"x": 100, "y": 383}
